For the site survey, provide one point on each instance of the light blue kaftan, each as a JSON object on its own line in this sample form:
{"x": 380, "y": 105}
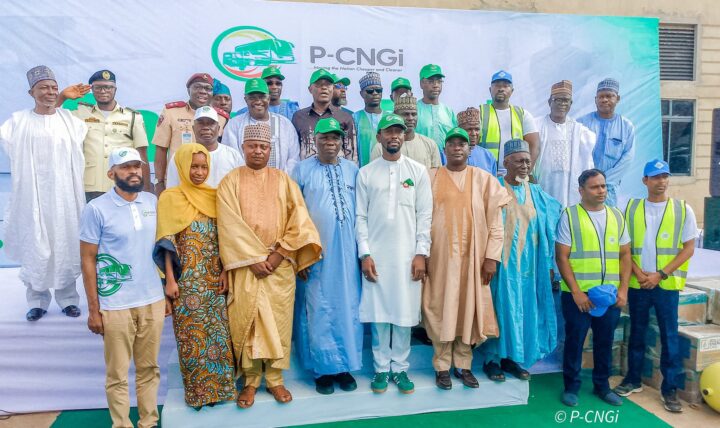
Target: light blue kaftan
{"x": 327, "y": 331}
{"x": 522, "y": 287}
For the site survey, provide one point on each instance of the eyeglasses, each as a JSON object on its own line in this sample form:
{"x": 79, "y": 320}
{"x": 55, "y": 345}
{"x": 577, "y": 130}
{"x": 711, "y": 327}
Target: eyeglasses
{"x": 103, "y": 88}
{"x": 373, "y": 91}
{"x": 562, "y": 100}
{"x": 201, "y": 87}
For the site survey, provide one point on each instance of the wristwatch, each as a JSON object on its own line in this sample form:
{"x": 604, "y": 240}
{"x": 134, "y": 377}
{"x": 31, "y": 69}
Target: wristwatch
{"x": 663, "y": 275}
{"x": 364, "y": 256}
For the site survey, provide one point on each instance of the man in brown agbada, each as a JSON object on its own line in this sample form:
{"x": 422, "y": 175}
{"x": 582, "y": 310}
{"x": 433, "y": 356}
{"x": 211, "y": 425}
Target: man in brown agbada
{"x": 467, "y": 237}
{"x": 265, "y": 236}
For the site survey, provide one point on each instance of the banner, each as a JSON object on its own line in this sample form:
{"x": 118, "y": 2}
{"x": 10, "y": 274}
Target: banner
{"x": 153, "y": 47}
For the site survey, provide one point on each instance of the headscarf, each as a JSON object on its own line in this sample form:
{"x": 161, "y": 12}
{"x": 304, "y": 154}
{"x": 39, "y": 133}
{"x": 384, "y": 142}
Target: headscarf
{"x": 179, "y": 206}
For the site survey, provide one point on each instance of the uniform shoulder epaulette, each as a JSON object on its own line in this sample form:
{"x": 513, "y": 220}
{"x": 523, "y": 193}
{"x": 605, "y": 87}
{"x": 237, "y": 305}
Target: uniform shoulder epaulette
{"x": 131, "y": 110}
{"x": 176, "y": 104}
{"x": 222, "y": 113}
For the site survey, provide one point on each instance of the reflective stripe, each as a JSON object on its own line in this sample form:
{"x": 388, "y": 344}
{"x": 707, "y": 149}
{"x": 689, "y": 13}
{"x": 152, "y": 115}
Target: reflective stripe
{"x": 636, "y": 251}
{"x": 677, "y": 209}
{"x": 492, "y": 145}
{"x": 586, "y": 254}
{"x": 619, "y": 219}
{"x": 680, "y": 274}
{"x": 575, "y": 229}
{"x": 582, "y": 276}
{"x": 631, "y": 212}
{"x": 667, "y": 251}
{"x": 484, "y": 109}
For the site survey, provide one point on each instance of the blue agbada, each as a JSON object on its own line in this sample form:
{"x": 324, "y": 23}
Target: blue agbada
{"x": 327, "y": 332}
{"x": 285, "y": 108}
{"x": 522, "y": 287}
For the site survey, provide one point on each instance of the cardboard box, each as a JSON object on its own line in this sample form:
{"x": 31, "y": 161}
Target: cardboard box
{"x": 711, "y": 286}
{"x": 700, "y": 345}
{"x": 617, "y": 358}
{"x": 692, "y": 308}
{"x": 689, "y": 387}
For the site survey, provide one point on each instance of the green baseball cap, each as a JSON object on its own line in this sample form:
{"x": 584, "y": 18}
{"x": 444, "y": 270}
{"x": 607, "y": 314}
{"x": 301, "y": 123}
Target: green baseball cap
{"x": 457, "y": 132}
{"x": 400, "y": 82}
{"x": 256, "y": 85}
{"x": 272, "y": 71}
{"x": 344, "y": 80}
{"x": 431, "y": 70}
{"x": 321, "y": 73}
{"x": 389, "y": 120}
{"x": 328, "y": 125}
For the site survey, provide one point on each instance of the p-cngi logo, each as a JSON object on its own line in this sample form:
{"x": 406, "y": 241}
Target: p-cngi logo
{"x": 242, "y": 52}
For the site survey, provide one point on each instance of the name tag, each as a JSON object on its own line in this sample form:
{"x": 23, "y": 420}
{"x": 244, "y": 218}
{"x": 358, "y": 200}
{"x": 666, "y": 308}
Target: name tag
{"x": 186, "y": 138}
{"x": 137, "y": 221}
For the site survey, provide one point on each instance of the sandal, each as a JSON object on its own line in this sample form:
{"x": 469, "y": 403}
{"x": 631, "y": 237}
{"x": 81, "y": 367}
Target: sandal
{"x": 246, "y": 398}
{"x": 494, "y": 372}
{"x": 280, "y": 394}
{"x": 514, "y": 369}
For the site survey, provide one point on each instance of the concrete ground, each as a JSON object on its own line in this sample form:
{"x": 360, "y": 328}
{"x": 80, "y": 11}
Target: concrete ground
{"x": 693, "y": 416}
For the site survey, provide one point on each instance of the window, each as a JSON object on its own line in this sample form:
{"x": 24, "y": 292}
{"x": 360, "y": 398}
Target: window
{"x": 677, "y": 51}
{"x": 677, "y": 134}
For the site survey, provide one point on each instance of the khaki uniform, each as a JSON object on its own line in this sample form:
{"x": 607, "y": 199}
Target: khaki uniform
{"x": 104, "y": 135}
{"x": 175, "y": 126}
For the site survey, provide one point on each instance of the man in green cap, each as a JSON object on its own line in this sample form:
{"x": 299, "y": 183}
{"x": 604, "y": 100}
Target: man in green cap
{"x": 328, "y": 334}
{"x": 339, "y": 99}
{"x": 285, "y": 149}
{"x": 434, "y": 118}
{"x": 417, "y": 147}
{"x": 466, "y": 240}
{"x": 394, "y": 212}
{"x": 321, "y": 88}
{"x": 399, "y": 87}
{"x": 274, "y": 79}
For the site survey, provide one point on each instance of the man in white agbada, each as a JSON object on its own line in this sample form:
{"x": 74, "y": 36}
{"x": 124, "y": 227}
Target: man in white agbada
{"x": 44, "y": 145}
{"x": 223, "y": 159}
{"x": 285, "y": 152}
{"x": 566, "y": 148}
{"x": 394, "y": 213}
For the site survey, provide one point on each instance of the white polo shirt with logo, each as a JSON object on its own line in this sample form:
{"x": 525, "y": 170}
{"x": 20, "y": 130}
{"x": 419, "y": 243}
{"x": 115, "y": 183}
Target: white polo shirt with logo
{"x": 125, "y": 235}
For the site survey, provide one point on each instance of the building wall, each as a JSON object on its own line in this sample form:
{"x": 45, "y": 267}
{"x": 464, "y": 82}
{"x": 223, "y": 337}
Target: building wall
{"x": 705, "y": 89}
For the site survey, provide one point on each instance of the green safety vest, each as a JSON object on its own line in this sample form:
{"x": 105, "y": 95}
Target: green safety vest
{"x": 490, "y": 136}
{"x": 585, "y": 256}
{"x": 668, "y": 241}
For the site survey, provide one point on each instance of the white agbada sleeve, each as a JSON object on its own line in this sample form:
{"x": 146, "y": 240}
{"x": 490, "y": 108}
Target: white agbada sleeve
{"x": 361, "y": 213}
{"x": 423, "y": 210}
{"x": 292, "y": 145}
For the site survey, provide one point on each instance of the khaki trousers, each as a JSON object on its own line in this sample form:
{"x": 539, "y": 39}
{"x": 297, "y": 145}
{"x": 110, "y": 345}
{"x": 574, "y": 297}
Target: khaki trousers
{"x": 253, "y": 375}
{"x": 456, "y": 353}
{"x": 133, "y": 333}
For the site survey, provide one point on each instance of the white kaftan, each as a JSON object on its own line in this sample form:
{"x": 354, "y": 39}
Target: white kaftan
{"x": 394, "y": 213}
{"x": 42, "y": 216}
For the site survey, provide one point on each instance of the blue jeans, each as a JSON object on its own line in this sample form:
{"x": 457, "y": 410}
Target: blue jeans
{"x": 577, "y": 325}
{"x": 665, "y": 303}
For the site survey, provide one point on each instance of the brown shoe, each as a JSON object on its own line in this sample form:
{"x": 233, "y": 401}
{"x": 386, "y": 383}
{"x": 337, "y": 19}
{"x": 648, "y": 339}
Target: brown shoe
{"x": 246, "y": 398}
{"x": 442, "y": 379}
{"x": 280, "y": 393}
{"x": 468, "y": 379}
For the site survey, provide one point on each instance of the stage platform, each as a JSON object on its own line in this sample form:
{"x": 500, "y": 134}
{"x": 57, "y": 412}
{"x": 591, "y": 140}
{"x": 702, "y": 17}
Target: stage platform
{"x": 310, "y": 407}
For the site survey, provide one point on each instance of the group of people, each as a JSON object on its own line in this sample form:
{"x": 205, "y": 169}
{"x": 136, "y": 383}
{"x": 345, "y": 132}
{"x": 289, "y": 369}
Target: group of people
{"x": 283, "y": 227}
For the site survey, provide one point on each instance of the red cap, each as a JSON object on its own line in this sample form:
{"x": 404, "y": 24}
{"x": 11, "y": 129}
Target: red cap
{"x": 204, "y": 77}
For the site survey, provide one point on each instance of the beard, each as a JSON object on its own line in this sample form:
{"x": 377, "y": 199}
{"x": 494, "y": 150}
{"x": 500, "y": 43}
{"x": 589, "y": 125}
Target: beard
{"x": 392, "y": 150}
{"x": 125, "y": 186}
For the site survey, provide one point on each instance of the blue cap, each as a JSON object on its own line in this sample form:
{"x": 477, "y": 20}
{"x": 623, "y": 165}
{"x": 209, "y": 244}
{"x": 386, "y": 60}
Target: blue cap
{"x": 602, "y": 297}
{"x": 501, "y": 75}
{"x": 656, "y": 167}
{"x": 609, "y": 84}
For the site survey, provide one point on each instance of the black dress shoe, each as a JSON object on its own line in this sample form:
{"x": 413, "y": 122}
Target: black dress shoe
{"x": 442, "y": 379}
{"x": 346, "y": 381}
{"x": 468, "y": 379}
{"x": 35, "y": 314}
{"x": 71, "y": 311}
{"x": 324, "y": 384}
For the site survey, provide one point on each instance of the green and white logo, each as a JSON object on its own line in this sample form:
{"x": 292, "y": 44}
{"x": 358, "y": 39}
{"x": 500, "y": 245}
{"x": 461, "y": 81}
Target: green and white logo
{"x": 242, "y": 52}
{"x": 111, "y": 274}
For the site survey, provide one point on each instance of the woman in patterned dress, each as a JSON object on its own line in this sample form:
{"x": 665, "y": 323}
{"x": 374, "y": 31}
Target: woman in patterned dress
{"x": 187, "y": 252}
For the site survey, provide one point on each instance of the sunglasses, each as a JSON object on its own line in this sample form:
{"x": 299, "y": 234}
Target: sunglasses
{"x": 340, "y": 86}
{"x": 373, "y": 91}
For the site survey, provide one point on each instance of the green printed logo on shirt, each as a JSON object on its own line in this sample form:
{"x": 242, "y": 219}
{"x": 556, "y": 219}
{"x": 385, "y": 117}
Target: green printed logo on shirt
{"x": 407, "y": 183}
{"x": 111, "y": 274}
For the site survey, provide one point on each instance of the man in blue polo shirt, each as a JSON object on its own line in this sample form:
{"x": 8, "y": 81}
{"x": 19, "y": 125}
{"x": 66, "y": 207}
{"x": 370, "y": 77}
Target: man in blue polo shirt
{"x": 126, "y": 302}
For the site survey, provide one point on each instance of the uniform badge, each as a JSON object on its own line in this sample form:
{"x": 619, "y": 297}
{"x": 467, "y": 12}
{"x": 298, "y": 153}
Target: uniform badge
{"x": 612, "y": 239}
{"x": 665, "y": 235}
{"x": 106, "y": 75}
{"x": 160, "y": 120}
{"x": 407, "y": 183}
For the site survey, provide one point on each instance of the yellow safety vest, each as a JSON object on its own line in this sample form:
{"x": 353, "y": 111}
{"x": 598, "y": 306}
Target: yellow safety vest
{"x": 585, "y": 254}
{"x": 668, "y": 241}
{"x": 490, "y": 137}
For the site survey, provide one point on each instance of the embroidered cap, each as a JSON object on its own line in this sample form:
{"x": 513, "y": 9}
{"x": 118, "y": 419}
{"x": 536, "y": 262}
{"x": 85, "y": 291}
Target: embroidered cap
{"x": 516, "y": 146}
{"x": 405, "y": 102}
{"x": 469, "y": 117}
{"x": 257, "y": 132}
{"x": 41, "y": 72}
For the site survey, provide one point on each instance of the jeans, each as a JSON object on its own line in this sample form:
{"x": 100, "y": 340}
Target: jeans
{"x": 665, "y": 303}
{"x": 577, "y": 325}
